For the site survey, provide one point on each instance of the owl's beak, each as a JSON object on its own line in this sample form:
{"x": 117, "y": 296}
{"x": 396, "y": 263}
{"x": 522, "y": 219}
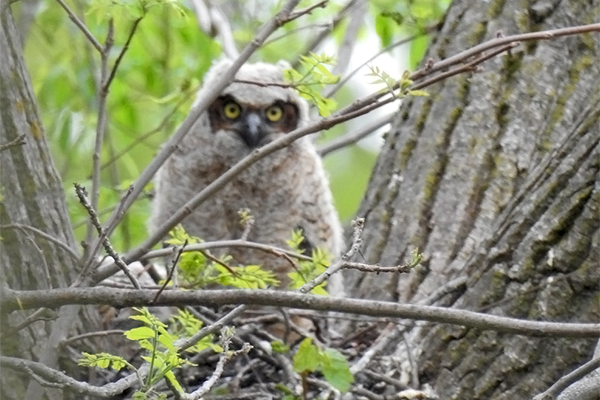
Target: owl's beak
{"x": 252, "y": 131}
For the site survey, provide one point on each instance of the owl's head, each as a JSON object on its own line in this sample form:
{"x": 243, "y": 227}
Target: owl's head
{"x": 253, "y": 107}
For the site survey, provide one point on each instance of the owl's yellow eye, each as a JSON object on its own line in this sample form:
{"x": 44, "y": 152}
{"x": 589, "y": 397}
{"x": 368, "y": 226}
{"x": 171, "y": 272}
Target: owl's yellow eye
{"x": 232, "y": 110}
{"x": 274, "y": 113}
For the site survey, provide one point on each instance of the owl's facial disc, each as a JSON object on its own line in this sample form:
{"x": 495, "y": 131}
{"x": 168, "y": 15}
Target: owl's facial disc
{"x": 253, "y": 123}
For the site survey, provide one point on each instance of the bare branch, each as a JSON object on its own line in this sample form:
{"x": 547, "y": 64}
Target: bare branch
{"x": 19, "y": 141}
{"x": 225, "y": 357}
{"x": 376, "y": 268}
{"x": 13, "y": 300}
{"x": 81, "y": 26}
{"x": 358, "y": 225}
{"x": 213, "y": 328}
{"x": 345, "y": 50}
{"x": 212, "y": 19}
{"x": 56, "y": 377}
{"x": 569, "y": 379}
{"x": 342, "y": 82}
{"x": 307, "y": 10}
{"x": 43, "y": 235}
{"x": 82, "y": 195}
{"x": 113, "y": 71}
{"x": 172, "y": 270}
{"x": 353, "y": 136}
{"x": 102, "y": 93}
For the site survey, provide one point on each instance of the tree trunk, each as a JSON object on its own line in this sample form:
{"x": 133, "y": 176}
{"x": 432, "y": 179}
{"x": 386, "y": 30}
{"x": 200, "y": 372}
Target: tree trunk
{"x": 495, "y": 177}
{"x": 33, "y": 220}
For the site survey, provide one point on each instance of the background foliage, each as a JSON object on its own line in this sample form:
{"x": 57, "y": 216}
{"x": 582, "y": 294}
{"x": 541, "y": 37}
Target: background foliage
{"x": 157, "y": 79}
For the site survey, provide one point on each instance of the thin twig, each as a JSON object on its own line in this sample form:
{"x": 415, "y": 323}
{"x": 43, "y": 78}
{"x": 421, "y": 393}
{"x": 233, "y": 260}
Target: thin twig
{"x": 559, "y": 386}
{"x": 82, "y": 195}
{"x": 346, "y": 47}
{"x": 19, "y": 141}
{"x": 376, "y": 268}
{"x": 88, "y": 335}
{"x": 389, "y": 334}
{"x": 224, "y": 358}
{"x": 414, "y": 372}
{"x": 211, "y": 20}
{"x": 106, "y": 271}
{"x": 101, "y": 123}
{"x": 324, "y": 34}
{"x": 40, "y": 370}
{"x": 248, "y": 223}
{"x": 344, "y": 80}
{"x": 140, "y": 138}
{"x": 171, "y": 271}
{"x": 307, "y": 10}
{"x": 353, "y": 136}
{"x": 358, "y": 226}
{"x": 221, "y": 263}
{"x": 213, "y": 328}
{"x": 113, "y": 71}
{"x": 43, "y": 314}
{"x": 43, "y": 235}
{"x": 81, "y": 26}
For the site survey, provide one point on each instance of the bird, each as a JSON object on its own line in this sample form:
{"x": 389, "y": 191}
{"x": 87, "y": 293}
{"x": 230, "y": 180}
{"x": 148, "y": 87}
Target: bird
{"x": 284, "y": 191}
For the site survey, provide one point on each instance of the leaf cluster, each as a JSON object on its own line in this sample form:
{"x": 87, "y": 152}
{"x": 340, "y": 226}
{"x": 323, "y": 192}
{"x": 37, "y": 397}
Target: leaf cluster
{"x": 162, "y": 353}
{"x": 199, "y": 271}
{"x": 312, "y": 77}
{"x": 399, "y": 88}
{"x": 308, "y": 270}
{"x": 394, "y": 19}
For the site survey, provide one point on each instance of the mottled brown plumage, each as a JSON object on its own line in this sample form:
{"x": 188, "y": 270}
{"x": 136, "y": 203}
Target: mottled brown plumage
{"x": 284, "y": 191}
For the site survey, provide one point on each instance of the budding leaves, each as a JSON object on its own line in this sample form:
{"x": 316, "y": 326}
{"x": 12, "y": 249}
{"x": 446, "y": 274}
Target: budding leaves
{"x": 331, "y": 363}
{"x": 312, "y": 79}
{"x": 398, "y": 88}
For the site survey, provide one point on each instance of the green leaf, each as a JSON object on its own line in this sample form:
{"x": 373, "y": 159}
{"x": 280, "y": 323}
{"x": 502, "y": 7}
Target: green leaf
{"x": 279, "y": 347}
{"x": 171, "y": 378}
{"x": 336, "y": 370}
{"x": 308, "y": 357}
{"x": 143, "y": 332}
{"x": 139, "y": 396}
{"x": 384, "y": 27}
{"x": 417, "y": 50}
{"x": 103, "y": 360}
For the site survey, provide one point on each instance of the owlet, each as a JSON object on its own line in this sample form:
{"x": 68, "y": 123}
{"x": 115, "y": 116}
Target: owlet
{"x": 287, "y": 190}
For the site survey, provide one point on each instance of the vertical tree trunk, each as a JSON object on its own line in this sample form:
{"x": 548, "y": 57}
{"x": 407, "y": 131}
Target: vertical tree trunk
{"x": 31, "y": 201}
{"x": 495, "y": 177}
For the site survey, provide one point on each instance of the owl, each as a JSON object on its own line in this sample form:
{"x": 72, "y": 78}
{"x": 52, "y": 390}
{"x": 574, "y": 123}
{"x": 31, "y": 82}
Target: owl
{"x": 284, "y": 191}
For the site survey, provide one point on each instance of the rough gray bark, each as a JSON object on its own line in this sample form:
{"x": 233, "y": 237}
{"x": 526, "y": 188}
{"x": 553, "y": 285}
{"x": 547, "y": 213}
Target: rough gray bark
{"x": 31, "y": 196}
{"x": 495, "y": 177}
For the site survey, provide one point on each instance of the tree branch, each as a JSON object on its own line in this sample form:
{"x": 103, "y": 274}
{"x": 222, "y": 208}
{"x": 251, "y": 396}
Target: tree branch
{"x": 81, "y": 26}
{"x": 13, "y": 300}
{"x": 81, "y": 194}
{"x": 19, "y": 141}
{"x": 39, "y": 370}
{"x": 569, "y": 379}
